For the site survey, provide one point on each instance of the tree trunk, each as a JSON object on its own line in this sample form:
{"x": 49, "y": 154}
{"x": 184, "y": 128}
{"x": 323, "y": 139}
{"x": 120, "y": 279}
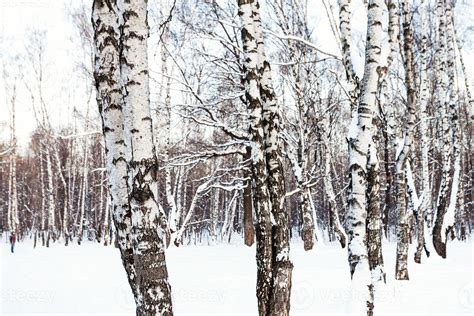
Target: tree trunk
{"x": 51, "y": 202}
{"x": 345, "y": 29}
{"x": 329, "y": 190}
{"x": 374, "y": 217}
{"x": 402, "y": 159}
{"x": 149, "y": 224}
{"x": 214, "y": 216}
{"x": 110, "y": 102}
{"x": 439, "y": 235}
{"x": 84, "y": 189}
{"x": 423, "y": 101}
{"x": 388, "y": 130}
{"x": 261, "y": 195}
{"x": 360, "y": 138}
{"x": 248, "y": 207}
{"x": 13, "y": 221}
{"x": 449, "y": 217}
{"x": 272, "y": 228}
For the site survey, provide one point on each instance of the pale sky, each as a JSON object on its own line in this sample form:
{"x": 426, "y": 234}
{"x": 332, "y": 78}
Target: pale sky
{"x": 17, "y": 19}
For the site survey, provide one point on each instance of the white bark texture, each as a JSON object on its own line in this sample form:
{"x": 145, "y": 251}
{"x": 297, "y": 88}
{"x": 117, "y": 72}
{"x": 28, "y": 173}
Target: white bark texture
{"x": 449, "y": 217}
{"x": 64, "y": 221}
{"x": 329, "y": 190}
{"x": 403, "y": 157}
{"x": 149, "y": 224}
{"x": 442, "y": 99}
{"x": 12, "y": 212}
{"x": 360, "y": 143}
{"x": 121, "y": 75}
{"x": 299, "y": 159}
{"x": 387, "y": 109}
{"x": 110, "y": 101}
{"x": 345, "y": 30}
{"x": 425, "y": 207}
{"x": 51, "y": 200}
{"x": 272, "y": 228}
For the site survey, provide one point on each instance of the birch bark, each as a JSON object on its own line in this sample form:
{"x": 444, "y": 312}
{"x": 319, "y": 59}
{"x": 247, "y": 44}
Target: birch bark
{"x": 247, "y": 200}
{"x": 261, "y": 196}
{"x": 149, "y": 223}
{"x": 329, "y": 190}
{"x": 272, "y": 228}
{"x": 84, "y": 188}
{"x": 388, "y": 110}
{"x": 300, "y": 161}
{"x": 110, "y": 101}
{"x": 51, "y": 201}
{"x": 361, "y": 145}
{"x": 403, "y": 157}
{"x": 446, "y": 150}
{"x": 423, "y": 101}
{"x": 13, "y": 221}
{"x": 449, "y": 217}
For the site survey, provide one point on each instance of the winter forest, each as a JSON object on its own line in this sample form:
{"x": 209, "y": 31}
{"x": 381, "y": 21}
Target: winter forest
{"x": 236, "y": 157}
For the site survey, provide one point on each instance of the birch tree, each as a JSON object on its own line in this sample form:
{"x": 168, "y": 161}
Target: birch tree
{"x": 12, "y": 211}
{"x": 273, "y": 264}
{"x": 422, "y": 101}
{"x": 110, "y": 102}
{"x": 51, "y": 199}
{"x": 387, "y": 109}
{"x": 445, "y": 217}
{"x": 403, "y": 154}
{"x": 361, "y": 154}
{"x": 121, "y": 74}
{"x": 293, "y": 24}
{"x": 442, "y": 99}
{"x": 149, "y": 225}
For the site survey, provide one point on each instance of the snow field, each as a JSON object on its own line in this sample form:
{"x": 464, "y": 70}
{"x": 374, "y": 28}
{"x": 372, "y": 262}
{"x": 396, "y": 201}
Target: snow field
{"x": 220, "y": 280}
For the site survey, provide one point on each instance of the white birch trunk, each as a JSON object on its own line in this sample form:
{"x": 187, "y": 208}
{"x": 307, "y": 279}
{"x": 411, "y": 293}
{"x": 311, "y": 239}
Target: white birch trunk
{"x": 273, "y": 264}
{"x": 329, "y": 190}
{"x": 51, "y": 201}
{"x": 13, "y": 221}
{"x": 403, "y": 157}
{"x": 214, "y": 215}
{"x": 229, "y": 215}
{"x": 105, "y": 226}
{"x": 63, "y": 224}
{"x": 43, "y": 194}
{"x": 84, "y": 189}
{"x": 272, "y": 125}
{"x": 388, "y": 110}
{"x": 261, "y": 196}
{"x": 345, "y": 31}
{"x": 360, "y": 141}
{"x": 178, "y": 240}
{"x": 442, "y": 99}
{"x": 425, "y": 207}
{"x": 449, "y": 217}
{"x": 110, "y": 101}
{"x": 9, "y": 207}
{"x": 149, "y": 224}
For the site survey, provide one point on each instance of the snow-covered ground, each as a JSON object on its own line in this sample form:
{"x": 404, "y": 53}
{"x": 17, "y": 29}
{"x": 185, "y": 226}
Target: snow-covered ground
{"x": 220, "y": 280}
